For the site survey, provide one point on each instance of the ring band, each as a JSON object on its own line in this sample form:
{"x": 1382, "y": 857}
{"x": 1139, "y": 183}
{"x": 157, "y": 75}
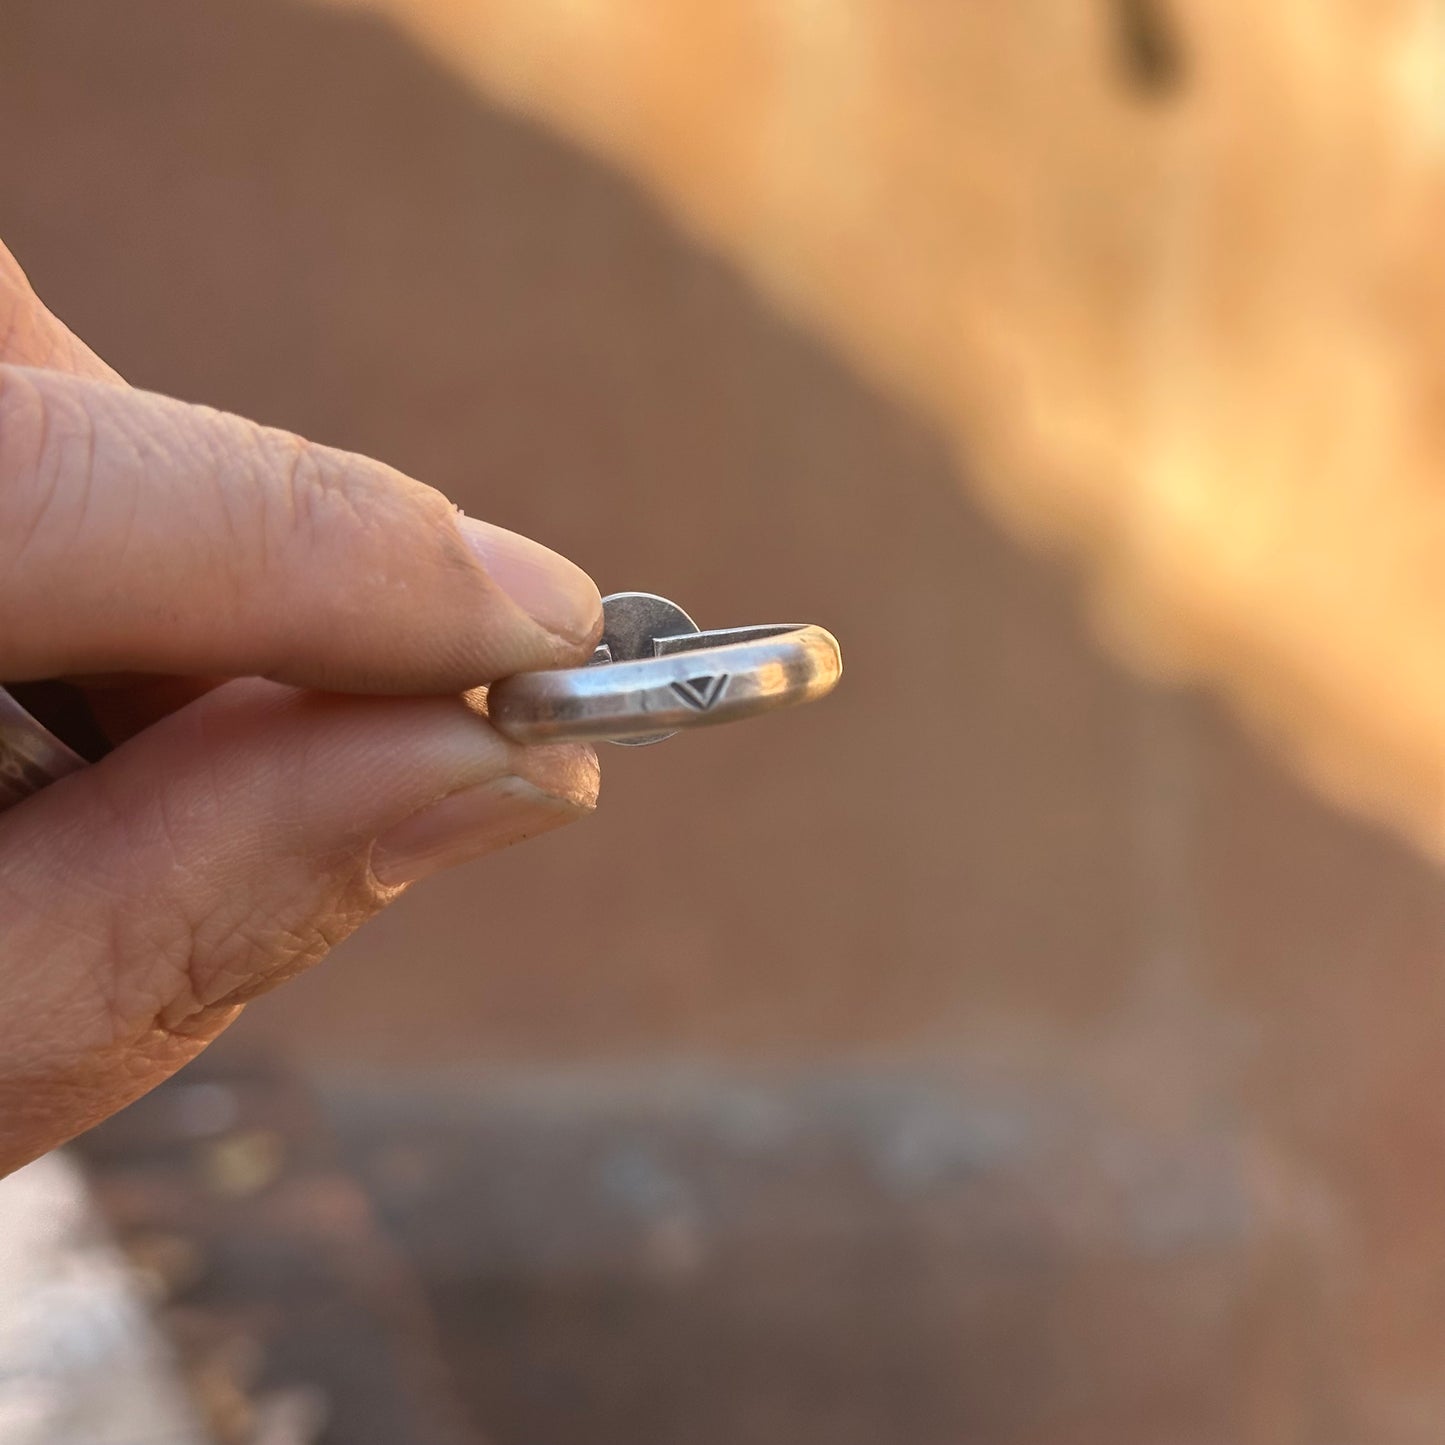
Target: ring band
{"x": 31, "y": 756}
{"x": 692, "y": 679}
{"x": 653, "y": 674}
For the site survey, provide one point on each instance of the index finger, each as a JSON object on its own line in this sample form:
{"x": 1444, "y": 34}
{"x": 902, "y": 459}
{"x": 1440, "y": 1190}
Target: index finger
{"x": 138, "y": 533}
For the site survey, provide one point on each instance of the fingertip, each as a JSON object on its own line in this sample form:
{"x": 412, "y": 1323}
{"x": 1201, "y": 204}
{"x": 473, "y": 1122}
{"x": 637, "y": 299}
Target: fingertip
{"x": 564, "y": 770}
{"x": 552, "y": 590}
{"x": 470, "y": 824}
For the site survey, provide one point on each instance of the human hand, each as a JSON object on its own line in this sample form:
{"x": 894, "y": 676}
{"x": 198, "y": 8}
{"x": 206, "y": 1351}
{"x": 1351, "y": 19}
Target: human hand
{"x": 241, "y": 828}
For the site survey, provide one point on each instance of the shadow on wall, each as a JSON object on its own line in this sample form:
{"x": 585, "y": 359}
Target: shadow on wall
{"x": 988, "y": 846}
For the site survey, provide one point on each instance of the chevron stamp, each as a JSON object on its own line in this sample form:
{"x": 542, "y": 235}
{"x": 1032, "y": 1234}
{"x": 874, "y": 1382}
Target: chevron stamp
{"x": 701, "y": 692}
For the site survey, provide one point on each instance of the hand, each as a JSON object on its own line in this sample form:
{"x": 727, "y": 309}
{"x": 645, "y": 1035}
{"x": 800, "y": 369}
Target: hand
{"x": 241, "y": 828}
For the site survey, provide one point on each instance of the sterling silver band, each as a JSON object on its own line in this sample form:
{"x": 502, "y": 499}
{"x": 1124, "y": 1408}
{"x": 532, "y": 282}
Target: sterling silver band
{"x": 30, "y": 754}
{"x": 655, "y": 672}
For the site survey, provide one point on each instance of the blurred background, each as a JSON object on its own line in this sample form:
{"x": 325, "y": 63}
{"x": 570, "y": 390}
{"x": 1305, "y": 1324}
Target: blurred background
{"x": 1024, "y": 1047}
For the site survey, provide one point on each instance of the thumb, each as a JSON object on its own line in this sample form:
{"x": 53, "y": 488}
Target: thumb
{"x": 219, "y": 853}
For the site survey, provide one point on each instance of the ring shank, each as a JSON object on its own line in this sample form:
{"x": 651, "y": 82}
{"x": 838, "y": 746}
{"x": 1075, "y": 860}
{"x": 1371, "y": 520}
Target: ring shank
{"x": 31, "y": 756}
{"x": 640, "y": 699}
{"x": 647, "y": 696}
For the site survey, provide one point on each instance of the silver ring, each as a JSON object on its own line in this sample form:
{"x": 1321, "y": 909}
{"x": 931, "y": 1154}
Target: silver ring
{"x": 655, "y": 672}
{"x": 31, "y": 756}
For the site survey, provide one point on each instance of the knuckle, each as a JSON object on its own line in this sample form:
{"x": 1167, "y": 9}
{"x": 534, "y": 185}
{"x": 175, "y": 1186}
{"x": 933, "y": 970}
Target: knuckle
{"x": 323, "y": 500}
{"x": 22, "y": 338}
{"x": 13, "y": 315}
{"x": 23, "y": 422}
{"x": 201, "y": 966}
{"x": 311, "y": 495}
{"x": 157, "y": 945}
{"x": 47, "y": 462}
{"x": 10, "y": 269}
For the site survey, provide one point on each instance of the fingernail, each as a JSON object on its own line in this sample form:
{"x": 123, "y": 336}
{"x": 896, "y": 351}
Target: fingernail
{"x": 485, "y": 819}
{"x": 554, "y": 592}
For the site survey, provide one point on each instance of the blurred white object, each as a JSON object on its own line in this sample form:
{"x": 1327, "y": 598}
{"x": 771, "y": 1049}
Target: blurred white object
{"x": 81, "y": 1359}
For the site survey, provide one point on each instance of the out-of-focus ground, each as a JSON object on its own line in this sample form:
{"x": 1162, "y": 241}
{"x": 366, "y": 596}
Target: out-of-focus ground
{"x": 1005, "y": 1050}
{"x": 80, "y": 1358}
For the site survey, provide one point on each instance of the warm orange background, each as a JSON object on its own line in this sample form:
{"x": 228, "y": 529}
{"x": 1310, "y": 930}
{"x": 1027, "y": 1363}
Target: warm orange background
{"x": 1164, "y": 272}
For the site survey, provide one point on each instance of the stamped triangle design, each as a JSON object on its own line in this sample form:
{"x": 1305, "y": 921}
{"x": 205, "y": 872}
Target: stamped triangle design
{"x": 701, "y": 692}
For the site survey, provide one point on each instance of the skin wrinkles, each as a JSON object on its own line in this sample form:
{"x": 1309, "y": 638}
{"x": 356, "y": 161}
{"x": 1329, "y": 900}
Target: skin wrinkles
{"x": 161, "y": 555}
